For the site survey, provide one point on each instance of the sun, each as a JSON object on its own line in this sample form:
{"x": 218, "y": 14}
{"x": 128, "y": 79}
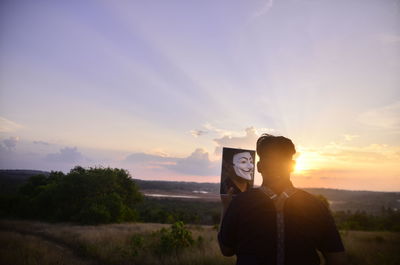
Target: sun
{"x": 302, "y": 164}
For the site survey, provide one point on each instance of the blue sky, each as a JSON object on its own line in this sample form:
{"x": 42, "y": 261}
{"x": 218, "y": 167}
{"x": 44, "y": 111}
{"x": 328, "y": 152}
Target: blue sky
{"x": 158, "y": 87}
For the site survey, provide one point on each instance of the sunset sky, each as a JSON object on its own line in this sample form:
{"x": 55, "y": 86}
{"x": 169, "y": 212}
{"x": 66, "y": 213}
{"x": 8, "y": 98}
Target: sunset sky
{"x": 159, "y": 87}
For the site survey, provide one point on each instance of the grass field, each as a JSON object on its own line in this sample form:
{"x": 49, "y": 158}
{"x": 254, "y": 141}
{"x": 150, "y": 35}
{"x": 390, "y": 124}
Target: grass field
{"x": 24, "y": 242}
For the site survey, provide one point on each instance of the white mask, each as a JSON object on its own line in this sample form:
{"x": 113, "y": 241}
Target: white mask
{"x": 243, "y": 165}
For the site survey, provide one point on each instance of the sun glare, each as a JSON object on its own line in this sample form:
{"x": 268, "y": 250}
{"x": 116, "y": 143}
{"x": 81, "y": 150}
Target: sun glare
{"x": 302, "y": 164}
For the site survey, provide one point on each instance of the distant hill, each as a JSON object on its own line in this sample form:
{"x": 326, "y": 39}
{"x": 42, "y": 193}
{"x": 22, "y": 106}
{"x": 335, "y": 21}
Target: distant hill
{"x": 21, "y": 174}
{"x": 369, "y": 201}
{"x": 177, "y": 186}
{"x": 340, "y": 200}
{"x": 11, "y": 179}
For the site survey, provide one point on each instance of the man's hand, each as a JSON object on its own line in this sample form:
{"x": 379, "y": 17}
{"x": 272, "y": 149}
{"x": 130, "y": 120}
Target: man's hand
{"x": 226, "y": 200}
{"x": 335, "y": 258}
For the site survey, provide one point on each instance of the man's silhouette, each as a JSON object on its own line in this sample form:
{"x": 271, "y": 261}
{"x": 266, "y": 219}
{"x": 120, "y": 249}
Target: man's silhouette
{"x": 277, "y": 223}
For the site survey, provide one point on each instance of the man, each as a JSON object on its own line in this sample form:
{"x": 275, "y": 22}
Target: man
{"x": 278, "y": 224}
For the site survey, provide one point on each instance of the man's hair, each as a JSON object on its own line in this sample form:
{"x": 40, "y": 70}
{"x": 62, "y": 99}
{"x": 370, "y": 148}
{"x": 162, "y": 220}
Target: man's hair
{"x": 278, "y": 144}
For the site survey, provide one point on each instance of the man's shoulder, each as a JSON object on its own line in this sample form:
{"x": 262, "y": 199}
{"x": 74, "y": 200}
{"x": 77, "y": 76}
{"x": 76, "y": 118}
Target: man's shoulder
{"x": 253, "y": 194}
{"x": 306, "y": 200}
{"x": 249, "y": 202}
{"x": 305, "y": 195}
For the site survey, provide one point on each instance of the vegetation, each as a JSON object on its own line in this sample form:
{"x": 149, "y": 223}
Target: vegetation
{"x": 168, "y": 211}
{"x": 25, "y": 249}
{"x": 340, "y": 200}
{"x": 388, "y": 220}
{"x": 105, "y": 195}
{"x": 371, "y": 248}
{"x": 29, "y": 243}
{"x": 11, "y": 180}
{"x": 134, "y": 243}
{"x": 87, "y": 196}
{"x": 208, "y": 213}
{"x": 173, "y": 240}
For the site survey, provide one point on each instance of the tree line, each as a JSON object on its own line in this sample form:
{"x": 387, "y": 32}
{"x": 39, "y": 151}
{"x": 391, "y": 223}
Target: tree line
{"x": 86, "y": 196}
{"x": 109, "y": 195}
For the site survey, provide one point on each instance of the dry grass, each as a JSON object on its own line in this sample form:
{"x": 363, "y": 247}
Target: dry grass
{"x": 371, "y": 248}
{"x": 112, "y": 244}
{"x": 115, "y": 244}
{"x": 27, "y": 249}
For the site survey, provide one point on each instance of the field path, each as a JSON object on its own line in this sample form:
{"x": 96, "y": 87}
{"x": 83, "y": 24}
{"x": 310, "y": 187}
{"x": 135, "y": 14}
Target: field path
{"x": 75, "y": 250}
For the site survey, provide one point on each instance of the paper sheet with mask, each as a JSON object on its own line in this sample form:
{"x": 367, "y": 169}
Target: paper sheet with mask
{"x": 237, "y": 171}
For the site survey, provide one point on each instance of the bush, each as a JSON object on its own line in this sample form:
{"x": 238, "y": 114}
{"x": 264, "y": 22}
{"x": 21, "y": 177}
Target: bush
{"x": 173, "y": 239}
{"x": 136, "y": 244}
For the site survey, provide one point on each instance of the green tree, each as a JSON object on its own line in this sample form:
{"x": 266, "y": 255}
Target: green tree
{"x": 89, "y": 196}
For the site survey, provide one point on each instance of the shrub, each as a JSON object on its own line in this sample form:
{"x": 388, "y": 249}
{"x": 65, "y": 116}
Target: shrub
{"x": 173, "y": 239}
{"x": 136, "y": 244}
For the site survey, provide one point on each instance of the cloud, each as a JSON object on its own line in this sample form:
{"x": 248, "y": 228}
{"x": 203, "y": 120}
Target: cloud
{"x": 197, "y": 163}
{"x": 389, "y": 38}
{"x": 11, "y": 142}
{"x": 3, "y": 149}
{"x": 353, "y": 179}
{"x": 197, "y": 133}
{"x": 248, "y": 141}
{"x": 387, "y": 117}
{"x": 41, "y": 142}
{"x": 221, "y": 132}
{"x": 66, "y": 155}
{"x": 373, "y": 153}
{"x": 264, "y": 9}
{"x": 358, "y": 155}
{"x": 8, "y": 126}
{"x": 136, "y": 158}
{"x": 327, "y": 178}
{"x": 349, "y": 137}
{"x": 331, "y": 173}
